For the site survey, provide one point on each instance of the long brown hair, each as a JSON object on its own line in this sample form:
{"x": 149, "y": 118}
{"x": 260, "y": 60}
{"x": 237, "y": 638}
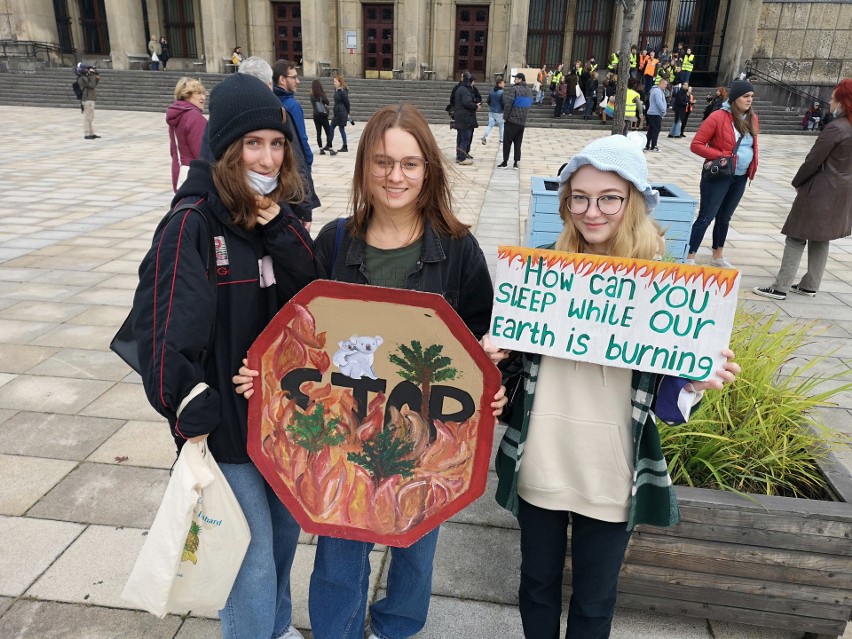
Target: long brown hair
{"x": 434, "y": 203}
{"x": 744, "y": 121}
{"x": 229, "y": 176}
{"x": 317, "y": 91}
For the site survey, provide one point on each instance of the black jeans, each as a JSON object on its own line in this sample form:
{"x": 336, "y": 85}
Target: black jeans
{"x": 597, "y": 552}
{"x": 514, "y": 134}
{"x": 719, "y": 200}
{"x": 463, "y": 140}
{"x": 321, "y": 124}
{"x": 655, "y": 123}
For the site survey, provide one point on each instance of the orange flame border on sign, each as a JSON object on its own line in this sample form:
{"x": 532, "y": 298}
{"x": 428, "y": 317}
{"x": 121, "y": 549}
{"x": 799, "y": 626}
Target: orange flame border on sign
{"x": 585, "y": 263}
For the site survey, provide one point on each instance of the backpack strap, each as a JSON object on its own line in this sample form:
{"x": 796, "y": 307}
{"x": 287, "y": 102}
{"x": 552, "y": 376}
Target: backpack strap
{"x": 185, "y": 205}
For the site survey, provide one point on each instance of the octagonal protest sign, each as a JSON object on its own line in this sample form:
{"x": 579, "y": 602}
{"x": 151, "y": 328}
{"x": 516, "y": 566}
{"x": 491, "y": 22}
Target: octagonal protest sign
{"x": 371, "y": 418}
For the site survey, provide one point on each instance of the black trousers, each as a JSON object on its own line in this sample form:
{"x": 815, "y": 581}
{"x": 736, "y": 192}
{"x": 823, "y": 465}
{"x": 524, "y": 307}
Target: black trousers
{"x": 513, "y": 134}
{"x": 655, "y": 123}
{"x": 321, "y": 124}
{"x": 597, "y": 552}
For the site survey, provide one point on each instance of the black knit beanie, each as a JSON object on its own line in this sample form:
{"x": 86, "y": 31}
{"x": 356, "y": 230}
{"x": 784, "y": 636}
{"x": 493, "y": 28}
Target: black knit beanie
{"x": 240, "y": 104}
{"x": 738, "y": 89}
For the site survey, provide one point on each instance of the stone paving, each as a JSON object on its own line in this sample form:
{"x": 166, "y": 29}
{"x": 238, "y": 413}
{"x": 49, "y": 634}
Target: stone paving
{"x": 84, "y": 459}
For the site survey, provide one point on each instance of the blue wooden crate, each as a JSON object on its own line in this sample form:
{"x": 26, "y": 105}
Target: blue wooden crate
{"x": 674, "y": 214}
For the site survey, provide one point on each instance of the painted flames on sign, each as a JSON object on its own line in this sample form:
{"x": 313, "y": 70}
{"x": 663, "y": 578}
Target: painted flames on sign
{"x": 386, "y": 479}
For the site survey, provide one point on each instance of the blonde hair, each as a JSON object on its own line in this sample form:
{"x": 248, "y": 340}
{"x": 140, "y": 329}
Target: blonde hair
{"x": 186, "y": 87}
{"x": 638, "y": 235}
{"x": 340, "y": 79}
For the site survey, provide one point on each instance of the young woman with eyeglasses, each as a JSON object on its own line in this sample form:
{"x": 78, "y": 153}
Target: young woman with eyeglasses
{"x": 402, "y": 233}
{"x": 584, "y": 432}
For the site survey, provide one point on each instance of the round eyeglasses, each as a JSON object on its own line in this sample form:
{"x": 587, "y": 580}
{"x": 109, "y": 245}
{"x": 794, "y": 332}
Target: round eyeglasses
{"x": 607, "y": 204}
{"x": 412, "y": 167}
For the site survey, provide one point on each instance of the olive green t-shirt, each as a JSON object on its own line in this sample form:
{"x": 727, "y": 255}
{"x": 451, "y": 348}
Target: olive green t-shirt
{"x": 390, "y": 267}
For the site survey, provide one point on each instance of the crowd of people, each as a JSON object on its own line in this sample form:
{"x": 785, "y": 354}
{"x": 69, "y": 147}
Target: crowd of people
{"x": 247, "y": 171}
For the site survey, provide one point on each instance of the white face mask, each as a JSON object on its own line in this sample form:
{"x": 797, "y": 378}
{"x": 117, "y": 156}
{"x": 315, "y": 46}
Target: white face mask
{"x": 263, "y": 184}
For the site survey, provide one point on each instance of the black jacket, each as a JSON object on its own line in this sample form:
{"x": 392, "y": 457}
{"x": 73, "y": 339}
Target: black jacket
{"x": 455, "y": 269}
{"x": 173, "y": 311}
{"x": 464, "y": 107}
{"x": 341, "y": 108}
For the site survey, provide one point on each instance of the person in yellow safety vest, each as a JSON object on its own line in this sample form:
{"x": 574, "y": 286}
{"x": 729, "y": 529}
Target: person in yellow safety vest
{"x": 633, "y": 107}
{"x": 634, "y": 61}
{"x": 593, "y": 64}
{"x": 687, "y": 64}
{"x": 613, "y": 62}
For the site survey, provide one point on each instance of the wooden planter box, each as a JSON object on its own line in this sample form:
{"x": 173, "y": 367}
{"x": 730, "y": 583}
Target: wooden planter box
{"x": 774, "y": 562}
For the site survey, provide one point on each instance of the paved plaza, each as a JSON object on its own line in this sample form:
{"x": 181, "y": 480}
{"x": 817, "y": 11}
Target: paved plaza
{"x": 84, "y": 459}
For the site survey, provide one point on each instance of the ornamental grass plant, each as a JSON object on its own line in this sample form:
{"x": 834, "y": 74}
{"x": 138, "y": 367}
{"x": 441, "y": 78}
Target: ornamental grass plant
{"x": 760, "y": 435}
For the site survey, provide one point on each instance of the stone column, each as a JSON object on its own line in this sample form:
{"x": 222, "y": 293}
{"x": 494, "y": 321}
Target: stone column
{"x": 412, "y": 35}
{"x": 126, "y": 31}
{"x": 519, "y": 13}
{"x": 671, "y": 27}
{"x": 260, "y": 32}
{"x": 28, "y": 20}
{"x": 568, "y": 44}
{"x": 443, "y": 41}
{"x": 217, "y": 25}
{"x": 743, "y": 22}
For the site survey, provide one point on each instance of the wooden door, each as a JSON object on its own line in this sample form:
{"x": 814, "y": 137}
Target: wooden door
{"x": 288, "y": 31}
{"x": 472, "y": 42}
{"x": 378, "y": 37}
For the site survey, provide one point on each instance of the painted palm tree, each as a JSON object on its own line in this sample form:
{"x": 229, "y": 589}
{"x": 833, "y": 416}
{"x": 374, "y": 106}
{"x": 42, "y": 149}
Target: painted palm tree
{"x": 424, "y": 368}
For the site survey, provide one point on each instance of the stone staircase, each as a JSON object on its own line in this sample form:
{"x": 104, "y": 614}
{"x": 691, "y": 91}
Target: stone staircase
{"x": 154, "y": 91}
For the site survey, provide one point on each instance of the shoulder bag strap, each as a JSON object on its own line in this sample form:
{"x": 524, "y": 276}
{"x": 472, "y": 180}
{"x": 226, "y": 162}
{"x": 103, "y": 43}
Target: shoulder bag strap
{"x": 338, "y": 240}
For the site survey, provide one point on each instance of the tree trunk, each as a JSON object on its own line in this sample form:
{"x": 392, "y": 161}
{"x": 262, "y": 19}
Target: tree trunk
{"x": 624, "y": 65}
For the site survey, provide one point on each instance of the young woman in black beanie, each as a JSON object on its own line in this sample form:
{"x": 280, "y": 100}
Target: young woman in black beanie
{"x": 192, "y": 340}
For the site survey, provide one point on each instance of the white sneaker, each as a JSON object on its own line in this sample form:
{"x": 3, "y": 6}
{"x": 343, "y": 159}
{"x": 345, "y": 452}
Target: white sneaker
{"x": 721, "y": 262}
{"x": 292, "y": 633}
{"x": 688, "y": 261}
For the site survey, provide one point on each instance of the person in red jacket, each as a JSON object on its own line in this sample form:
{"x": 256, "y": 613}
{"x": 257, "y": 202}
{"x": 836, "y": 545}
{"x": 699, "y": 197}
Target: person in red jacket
{"x": 735, "y": 122}
{"x": 186, "y": 127}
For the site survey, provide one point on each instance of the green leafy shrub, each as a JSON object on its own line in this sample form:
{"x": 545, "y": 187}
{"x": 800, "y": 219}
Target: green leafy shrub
{"x": 758, "y": 435}
{"x": 385, "y": 456}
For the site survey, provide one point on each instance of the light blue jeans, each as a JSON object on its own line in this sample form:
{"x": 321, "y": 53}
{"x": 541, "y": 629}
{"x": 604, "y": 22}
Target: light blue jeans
{"x": 259, "y": 606}
{"x": 494, "y": 118}
{"x": 340, "y": 584}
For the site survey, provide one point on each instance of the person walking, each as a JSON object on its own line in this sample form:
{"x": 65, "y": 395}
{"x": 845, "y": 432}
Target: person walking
{"x": 464, "y": 110}
{"x": 88, "y": 82}
{"x": 822, "y": 210}
{"x": 517, "y": 101}
{"x": 495, "y": 109}
{"x": 186, "y": 127}
{"x": 192, "y": 340}
{"x": 410, "y": 240}
{"x": 591, "y": 94}
{"x": 340, "y": 113}
{"x": 319, "y": 107}
{"x": 656, "y": 110}
{"x": 582, "y": 448}
{"x": 570, "y": 93}
{"x": 730, "y": 131}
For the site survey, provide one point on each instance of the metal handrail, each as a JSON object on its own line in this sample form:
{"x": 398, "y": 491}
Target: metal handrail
{"x": 752, "y": 71}
{"x": 30, "y": 49}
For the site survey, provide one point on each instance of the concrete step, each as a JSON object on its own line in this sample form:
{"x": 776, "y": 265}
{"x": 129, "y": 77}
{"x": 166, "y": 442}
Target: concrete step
{"x": 154, "y": 91}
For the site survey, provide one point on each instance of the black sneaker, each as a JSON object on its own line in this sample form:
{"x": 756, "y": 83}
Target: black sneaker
{"x": 770, "y": 292}
{"x": 802, "y": 291}
{"x": 502, "y": 165}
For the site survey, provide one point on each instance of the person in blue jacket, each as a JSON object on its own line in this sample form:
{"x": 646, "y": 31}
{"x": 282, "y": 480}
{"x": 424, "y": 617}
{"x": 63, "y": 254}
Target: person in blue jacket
{"x": 285, "y": 80}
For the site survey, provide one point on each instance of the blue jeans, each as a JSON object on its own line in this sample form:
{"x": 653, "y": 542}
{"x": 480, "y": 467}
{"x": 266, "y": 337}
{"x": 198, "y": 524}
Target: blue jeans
{"x": 719, "y": 200}
{"x": 339, "y": 589}
{"x": 259, "y": 606}
{"x": 597, "y": 552}
{"x": 494, "y": 118}
{"x": 590, "y": 105}
{"x": 342, "y": 128}
{"x": 463, "y": 140}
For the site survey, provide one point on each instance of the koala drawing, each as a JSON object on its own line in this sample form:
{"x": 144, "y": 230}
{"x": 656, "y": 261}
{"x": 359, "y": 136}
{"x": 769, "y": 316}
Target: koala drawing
{"x": 358, "y": 362}
{"x": 347, "y": 347}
